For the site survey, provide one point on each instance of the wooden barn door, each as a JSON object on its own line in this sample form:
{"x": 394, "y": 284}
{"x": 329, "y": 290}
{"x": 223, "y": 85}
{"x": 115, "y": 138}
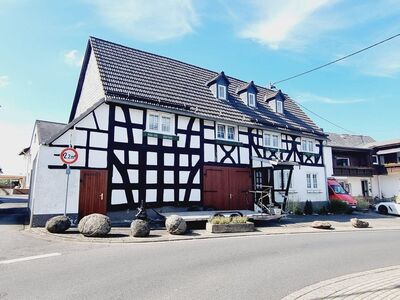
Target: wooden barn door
{"x": 226, "y": 188}
{"x": 93, "y": 192}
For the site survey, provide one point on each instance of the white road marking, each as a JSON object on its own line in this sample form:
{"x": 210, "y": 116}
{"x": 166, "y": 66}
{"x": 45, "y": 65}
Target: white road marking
{"x": 10, "y": 261}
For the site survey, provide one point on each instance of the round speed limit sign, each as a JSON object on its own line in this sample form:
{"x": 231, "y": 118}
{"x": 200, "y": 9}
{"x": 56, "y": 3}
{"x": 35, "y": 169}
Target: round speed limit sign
{"x": 69, "y": 156}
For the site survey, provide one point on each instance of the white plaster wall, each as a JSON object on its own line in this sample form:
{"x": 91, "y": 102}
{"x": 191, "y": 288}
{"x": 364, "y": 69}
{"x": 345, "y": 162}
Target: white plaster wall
{"x": 48, "y": 196}
{"x": 355, "y": 185}
{"x": 92, "y": 88}
{"x": 328, "y": 161}
{"x": 299, "y": 191}
{"x": 389, "y": 185}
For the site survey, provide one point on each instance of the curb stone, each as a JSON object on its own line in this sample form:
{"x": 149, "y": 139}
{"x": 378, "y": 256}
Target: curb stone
{"x": 362, "y": 284}
{"x": 198, "y": 234}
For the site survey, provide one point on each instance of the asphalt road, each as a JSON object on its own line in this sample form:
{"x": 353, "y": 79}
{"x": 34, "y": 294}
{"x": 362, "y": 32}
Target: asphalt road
{"x": 260, "y": 267}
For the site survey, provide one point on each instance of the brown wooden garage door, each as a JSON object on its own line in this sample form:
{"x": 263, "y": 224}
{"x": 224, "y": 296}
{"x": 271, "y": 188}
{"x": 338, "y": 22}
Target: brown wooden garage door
{"x": 226, "y": 188}
{"x": 93, "y": 192}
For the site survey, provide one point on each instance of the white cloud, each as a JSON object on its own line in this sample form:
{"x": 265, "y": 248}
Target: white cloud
{"x": 149, "y": 20}
{"x": 73, "y": 58}
{"x": 277, "y": 22}
{"x": 308, "y": 97}
{"x": 4, "y": 81}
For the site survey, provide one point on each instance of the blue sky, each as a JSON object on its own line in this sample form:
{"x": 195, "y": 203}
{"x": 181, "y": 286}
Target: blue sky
{"x": 42, "y": 43}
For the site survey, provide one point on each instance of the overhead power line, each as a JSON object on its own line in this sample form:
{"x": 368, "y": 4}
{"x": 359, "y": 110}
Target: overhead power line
{"x": 325, "y": 119}
{"x": 337, "y": 60}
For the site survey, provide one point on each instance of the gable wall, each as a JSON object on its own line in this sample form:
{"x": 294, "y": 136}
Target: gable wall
{"x": 92, "y": 89}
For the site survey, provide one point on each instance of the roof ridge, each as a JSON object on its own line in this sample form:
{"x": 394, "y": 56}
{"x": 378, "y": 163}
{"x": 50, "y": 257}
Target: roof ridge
{"x": 179, "y": 61}
{"x": 40, "y": 120}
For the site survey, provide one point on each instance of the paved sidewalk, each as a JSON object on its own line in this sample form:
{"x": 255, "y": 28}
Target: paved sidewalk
{"x": 290, "y": 225}
{"x": 375, "y": 284}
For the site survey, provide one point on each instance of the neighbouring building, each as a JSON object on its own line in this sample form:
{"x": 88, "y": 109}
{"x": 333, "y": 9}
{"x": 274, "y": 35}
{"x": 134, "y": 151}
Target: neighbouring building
{"x": 42, "y": 131}
{"x": 150, "y": 128}
{"x": 350, "y": 162}
{"x": 386, "y": 162}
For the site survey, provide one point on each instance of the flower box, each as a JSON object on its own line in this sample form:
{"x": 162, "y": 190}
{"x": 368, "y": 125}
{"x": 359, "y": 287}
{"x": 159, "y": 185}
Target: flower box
{"x": 229, "y": 228}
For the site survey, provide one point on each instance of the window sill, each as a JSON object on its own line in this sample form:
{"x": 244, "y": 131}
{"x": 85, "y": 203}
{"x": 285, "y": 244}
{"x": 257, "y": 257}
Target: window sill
{"x": 230, "y": 143}
{"x": 310, "y": 153}
{"x": 272, "y": 149}
{"x": 314, "y": 191}
{"x": 161, "y": 135}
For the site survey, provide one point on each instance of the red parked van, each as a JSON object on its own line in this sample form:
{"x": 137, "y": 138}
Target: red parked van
{"x": 337, "y": 192}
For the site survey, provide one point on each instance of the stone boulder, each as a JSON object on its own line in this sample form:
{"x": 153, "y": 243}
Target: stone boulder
{"x": 321, "y": 225}
{"x": 357, "y": 223}
{"x": 175, "y": 225}
{"x": 140, "y": 228}
{"x": 94, "y": 225}
{"x": 58, "y": 224}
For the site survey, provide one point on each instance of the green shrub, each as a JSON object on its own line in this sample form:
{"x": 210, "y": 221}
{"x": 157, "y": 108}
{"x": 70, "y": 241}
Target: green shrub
{"x": 308, "y": 208}
{"x": 227, "y": 220}
{"x": 362, "y": 204}
{"x": 339, "y": 207}
{"x": 323, "y": 210}
{"x": 294, "y": 207}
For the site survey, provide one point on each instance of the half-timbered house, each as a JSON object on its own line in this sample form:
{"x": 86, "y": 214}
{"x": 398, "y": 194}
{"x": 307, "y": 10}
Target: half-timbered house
{"x": 150, "y": 128}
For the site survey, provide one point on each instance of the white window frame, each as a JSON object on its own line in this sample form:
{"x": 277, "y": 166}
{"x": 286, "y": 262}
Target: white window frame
{"x": 344, "y": 158}
{"x": 223, "y": 95}
{"x": 279, "y": 106}
{"x": 251, "y": 96}
{"x": 307, "y": 142}
{"x": 375, "y": 160}
{"x": 271, "y": 144}
{"x": 161, "y": 115}
{"x": 312, "y": 181}
{"x": 225, "y": 138}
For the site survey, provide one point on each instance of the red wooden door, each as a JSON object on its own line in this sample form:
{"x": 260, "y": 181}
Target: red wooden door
{"x": 240, "y": 185}
{"x": 216, "y": 187}
{"x": 93, "y": 192}
{"x": 226, "y": 188}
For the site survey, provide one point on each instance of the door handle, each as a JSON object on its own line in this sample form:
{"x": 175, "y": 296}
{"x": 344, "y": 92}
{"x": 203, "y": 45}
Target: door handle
{"x": 230, "y": 196}
{"x": 102, "y": 196}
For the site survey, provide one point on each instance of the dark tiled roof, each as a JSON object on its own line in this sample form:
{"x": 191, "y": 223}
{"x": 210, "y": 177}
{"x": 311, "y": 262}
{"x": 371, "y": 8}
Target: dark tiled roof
{"x": 47, "y": 129}
{"x": 348, "y": 140}
{"x": 142, "y": 75}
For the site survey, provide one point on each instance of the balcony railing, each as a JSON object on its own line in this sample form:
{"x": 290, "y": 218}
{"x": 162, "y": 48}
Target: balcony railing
{"x": 353, "y": 171}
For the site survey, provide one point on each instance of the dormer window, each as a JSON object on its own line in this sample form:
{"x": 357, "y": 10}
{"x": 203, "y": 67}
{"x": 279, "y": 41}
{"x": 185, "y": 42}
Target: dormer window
{"x": 219, "y": 86}
{"x": 252, "y": 99}
{"x": 221, "y": 91}
{"x": 247, "y": 92}
{"x": 276, "y": 101}
{"x": 279, "y": 106}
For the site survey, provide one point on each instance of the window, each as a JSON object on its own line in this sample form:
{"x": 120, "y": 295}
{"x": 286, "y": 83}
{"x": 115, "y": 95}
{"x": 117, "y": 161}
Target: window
{"x": 342, "y": 161}
{"x": 221, "y": 91}
{"x": 307, "y": 145}
{"x": 160, "y": 122}
{"x": 252, "y": 99}
{"x": 312, "y": 181}
{"x": 271, "y": 140}
{"x": 309, "y": 181}
{"x": 226, "y": 132}
{"x": 166, "y": 124}
{"x": 279, "y": 106}
{"x": 153, "y": 122}
{"x": 375, "y": 160}
{"x": 315, "y": 182}
{"x": 231, "y": 133}
{"x": 278, "y": 176}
